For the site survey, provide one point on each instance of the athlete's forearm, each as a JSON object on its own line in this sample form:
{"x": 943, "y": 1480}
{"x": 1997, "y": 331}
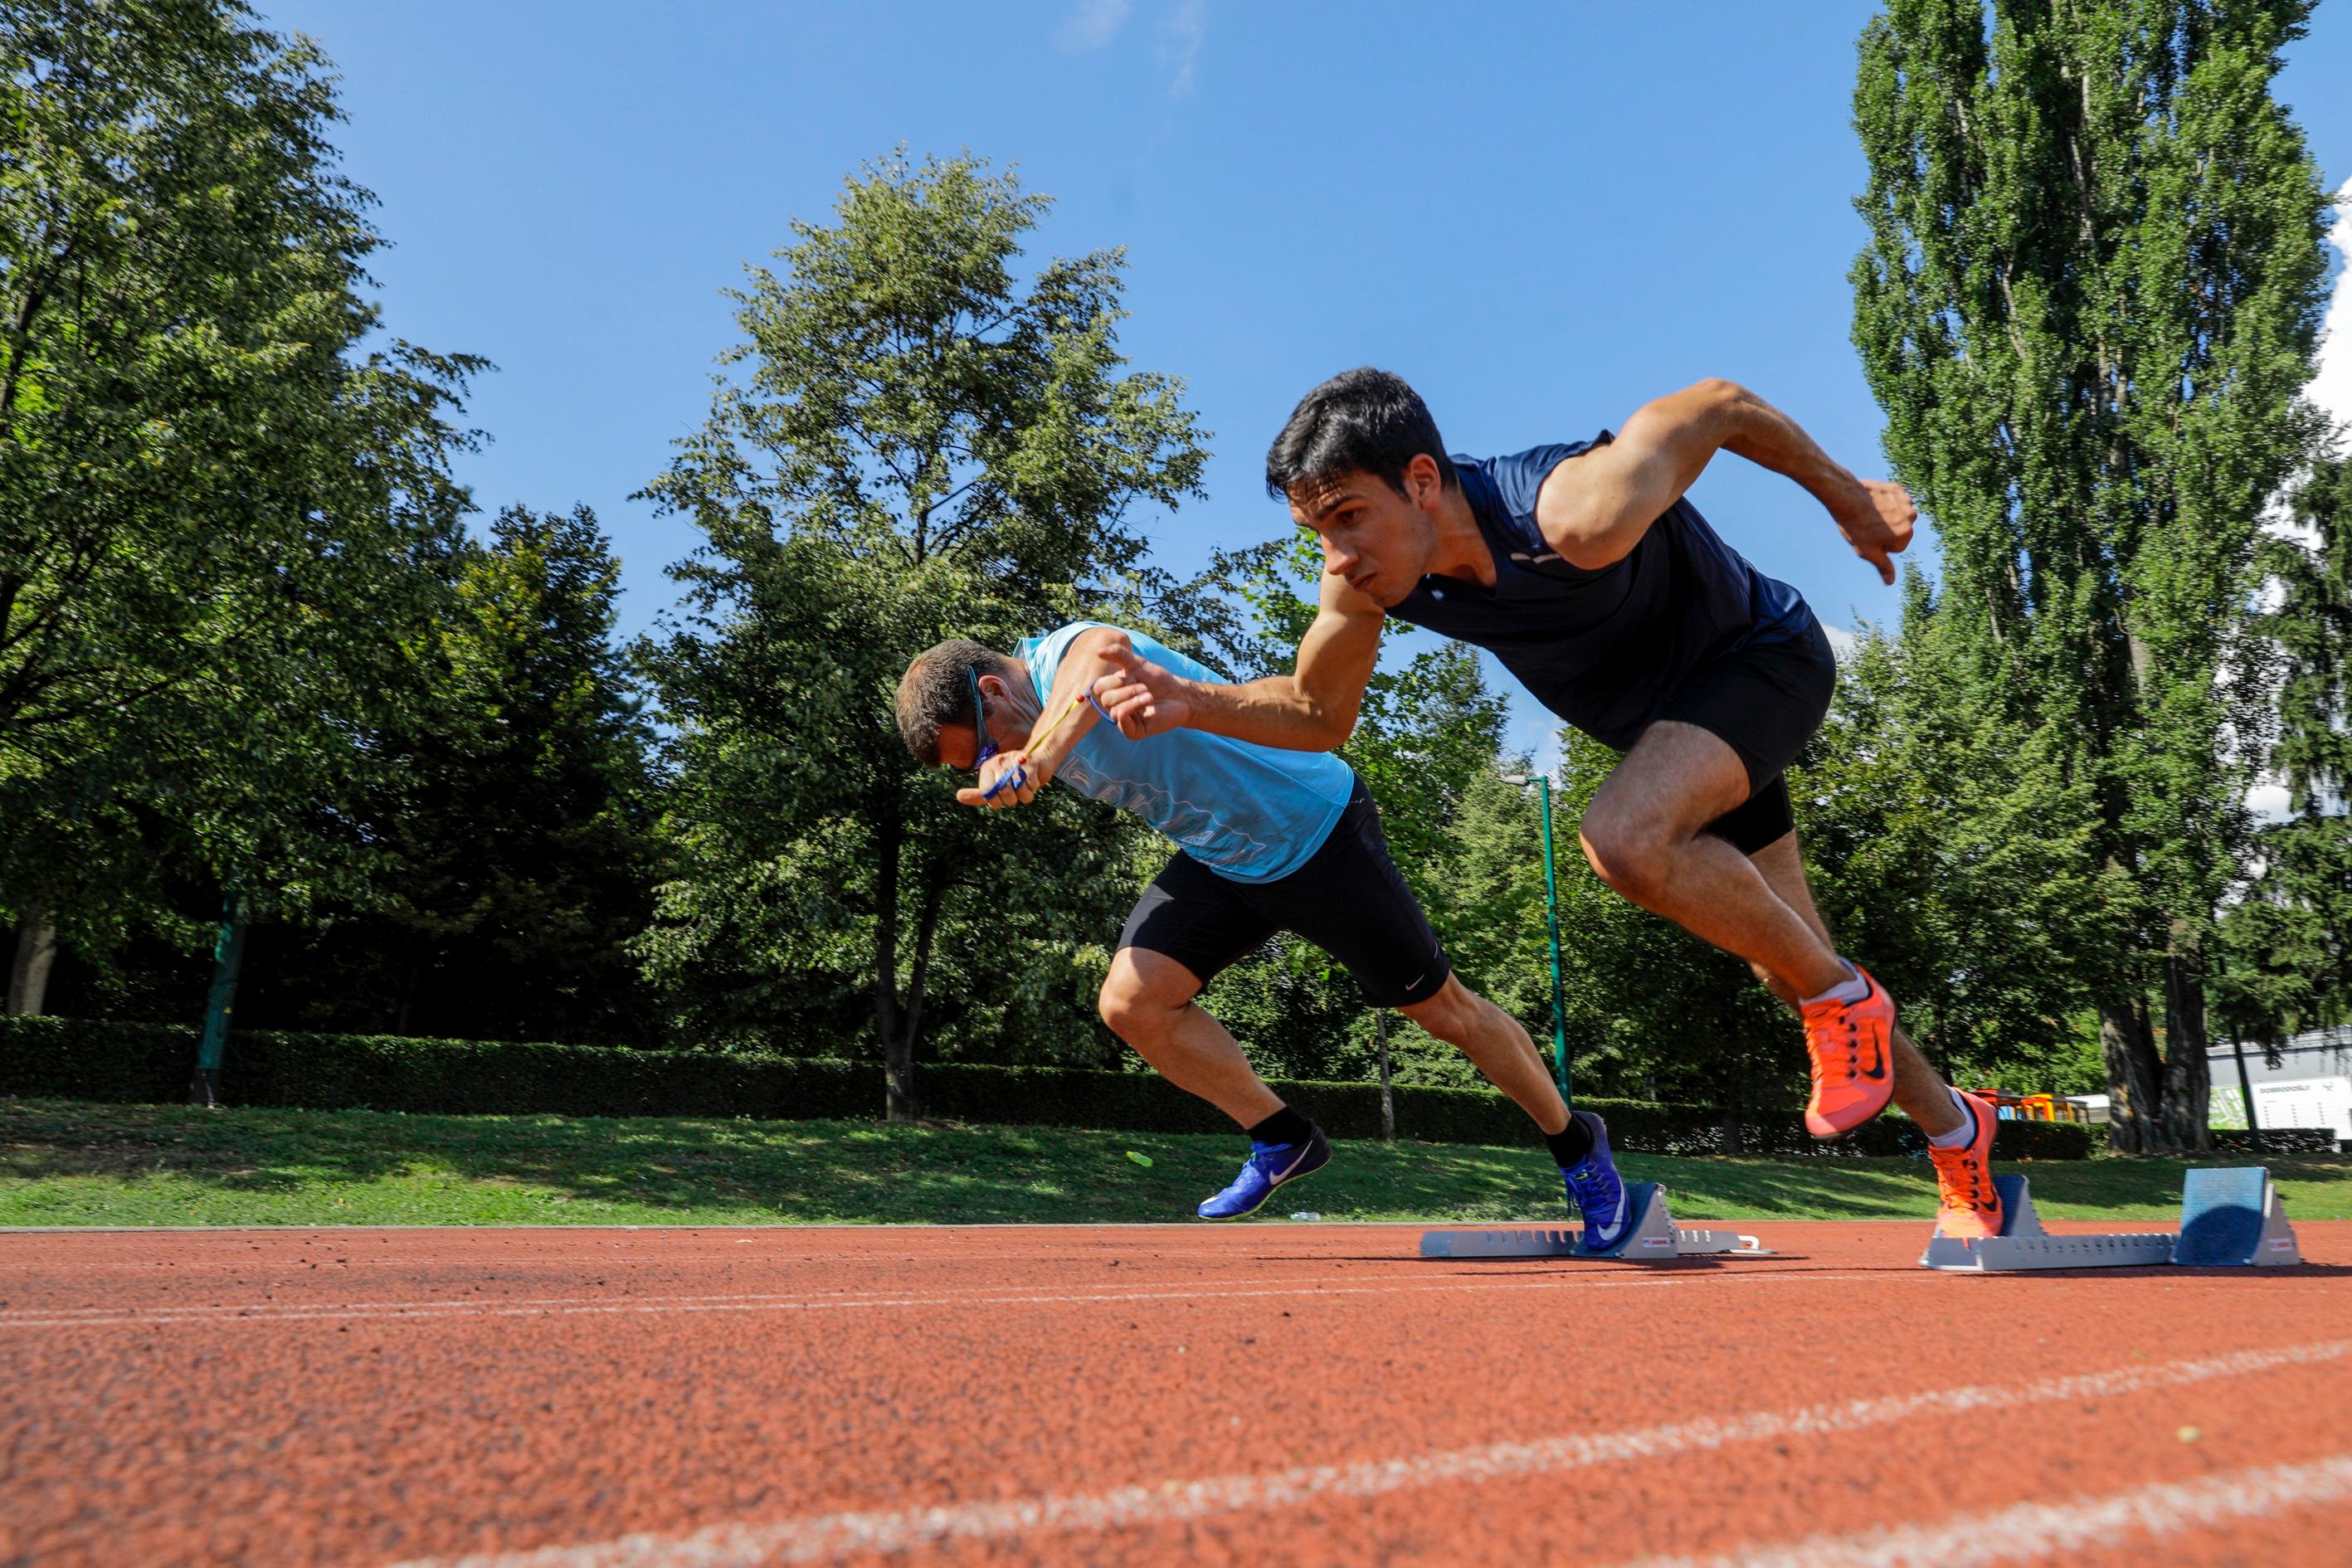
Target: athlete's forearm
{"x": 1273, "y": 710}
{"x": 1749, "y": 428}
{"x": 1059, "y": 729}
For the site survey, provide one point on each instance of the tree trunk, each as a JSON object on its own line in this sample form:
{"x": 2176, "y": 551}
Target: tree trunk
{"x": 2188, "y": 1075}
{"x": 900, "y": 1023}
{"x": 1388, "y": 1101}
{"x": 36, "y": 951}
{"x": 1728, "y": 1132}
{"x": 2134, "y": 1076}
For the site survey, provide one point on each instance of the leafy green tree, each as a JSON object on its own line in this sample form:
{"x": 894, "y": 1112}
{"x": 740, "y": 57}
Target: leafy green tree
{"x": 2289, "y": 939}
{"x": 223, "y": 525}
{"x": 920, "y": 443}
{"x": 1949, "y": 847}
{"x": 516, "y": 822}
{"x": 2088, "y": 304}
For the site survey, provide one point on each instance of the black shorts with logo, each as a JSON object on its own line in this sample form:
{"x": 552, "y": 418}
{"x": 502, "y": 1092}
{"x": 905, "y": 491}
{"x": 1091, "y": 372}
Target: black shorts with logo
{"x": 1349, "y": 899}
{"x": 1765, "y": 702}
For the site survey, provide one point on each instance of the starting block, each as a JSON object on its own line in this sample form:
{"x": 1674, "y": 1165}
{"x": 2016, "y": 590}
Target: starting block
{"x": 2228, "y": 1219}
{"x": 1652, "y": 1236}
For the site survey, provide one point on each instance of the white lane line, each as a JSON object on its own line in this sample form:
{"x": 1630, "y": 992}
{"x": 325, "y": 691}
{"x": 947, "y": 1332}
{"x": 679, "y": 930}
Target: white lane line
{"x": 436, "y": 1311}
{"x": 945, "y": 1294}
{"x": 2038, "y": 1529}
{"x": 819, "y": 1537}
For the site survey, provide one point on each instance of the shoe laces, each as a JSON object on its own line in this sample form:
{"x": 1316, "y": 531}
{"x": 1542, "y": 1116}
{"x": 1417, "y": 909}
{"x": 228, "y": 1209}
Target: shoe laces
{"x": 1822, "y": 1060}
{"x": 1596, "y": 1188}
{"x": 1963, "y": 1178}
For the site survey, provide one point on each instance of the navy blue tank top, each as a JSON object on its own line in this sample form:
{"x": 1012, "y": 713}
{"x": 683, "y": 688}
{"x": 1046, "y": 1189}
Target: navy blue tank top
{"x": 1601, "y": 648}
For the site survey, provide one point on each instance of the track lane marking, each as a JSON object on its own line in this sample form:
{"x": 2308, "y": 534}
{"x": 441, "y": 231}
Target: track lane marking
{"x": 2035, "y": 1530}
{"x": 819, "y": 1537}
{"x": 441, "y": 1311}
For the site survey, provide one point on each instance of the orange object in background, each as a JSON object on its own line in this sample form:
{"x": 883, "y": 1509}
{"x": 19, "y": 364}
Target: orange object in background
{"x": 2030, "y": 1107}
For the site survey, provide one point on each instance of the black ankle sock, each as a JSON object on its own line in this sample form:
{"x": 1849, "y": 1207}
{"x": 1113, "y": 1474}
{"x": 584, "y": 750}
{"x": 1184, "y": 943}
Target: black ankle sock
{"x": 1284, "y": 1126}
{"x": 1571, "y": 1143}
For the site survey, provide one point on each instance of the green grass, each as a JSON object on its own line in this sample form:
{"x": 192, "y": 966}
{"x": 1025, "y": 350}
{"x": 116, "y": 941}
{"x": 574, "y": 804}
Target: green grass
{"x": 66, "y": 1163}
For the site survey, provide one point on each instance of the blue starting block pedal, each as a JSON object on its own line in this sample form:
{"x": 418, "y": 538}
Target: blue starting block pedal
{"x": 1652, "y": 1238}
{"x": 2229, "y": 1218}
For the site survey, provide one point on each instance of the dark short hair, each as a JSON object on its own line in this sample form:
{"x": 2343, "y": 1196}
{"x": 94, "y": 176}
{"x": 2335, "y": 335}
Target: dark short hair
{"x": 937, "y": 689}
{"x": 1360, "y": 421}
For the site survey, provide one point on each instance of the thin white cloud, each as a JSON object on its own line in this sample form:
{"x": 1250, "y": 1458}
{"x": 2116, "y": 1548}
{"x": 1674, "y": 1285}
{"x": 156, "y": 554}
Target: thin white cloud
{"x": 1179, "y": 47}
{"x": 1842, "y": 642}
{"x": 1094, "y": 24}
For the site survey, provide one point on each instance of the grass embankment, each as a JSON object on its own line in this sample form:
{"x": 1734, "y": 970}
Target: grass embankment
{"x": 65, "y": 1162}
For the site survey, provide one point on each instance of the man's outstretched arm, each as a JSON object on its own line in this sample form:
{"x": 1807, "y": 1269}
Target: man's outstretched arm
{"x": 1594, "y": 508}
{"x": 1313, "y": 709}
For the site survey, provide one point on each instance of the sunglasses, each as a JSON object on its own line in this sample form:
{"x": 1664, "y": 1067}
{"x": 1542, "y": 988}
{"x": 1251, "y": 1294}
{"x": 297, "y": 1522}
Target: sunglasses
{"x": 979, "y": 719}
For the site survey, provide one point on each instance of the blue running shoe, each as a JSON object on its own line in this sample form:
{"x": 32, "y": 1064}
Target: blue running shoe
{"x": 1597, "y": 1192}
{"x": 1268, "y": 1166}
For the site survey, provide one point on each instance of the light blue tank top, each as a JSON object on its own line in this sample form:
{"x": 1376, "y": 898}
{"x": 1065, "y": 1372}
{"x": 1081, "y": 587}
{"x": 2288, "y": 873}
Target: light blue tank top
{"x": 1250, "y": 813}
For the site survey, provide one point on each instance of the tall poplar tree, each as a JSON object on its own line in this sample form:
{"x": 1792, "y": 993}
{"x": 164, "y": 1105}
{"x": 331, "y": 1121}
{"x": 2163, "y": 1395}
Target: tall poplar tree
{"x": 2088, "y": 305}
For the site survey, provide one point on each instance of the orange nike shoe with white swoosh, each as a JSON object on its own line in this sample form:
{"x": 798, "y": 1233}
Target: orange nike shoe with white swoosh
{"x": 1853, "y": 1076}
{"x": 1972, "y": 1206}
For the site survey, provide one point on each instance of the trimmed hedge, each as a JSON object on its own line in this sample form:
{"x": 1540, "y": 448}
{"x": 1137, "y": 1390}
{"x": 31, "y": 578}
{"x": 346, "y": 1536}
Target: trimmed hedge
{"x": 79, "y": 1058}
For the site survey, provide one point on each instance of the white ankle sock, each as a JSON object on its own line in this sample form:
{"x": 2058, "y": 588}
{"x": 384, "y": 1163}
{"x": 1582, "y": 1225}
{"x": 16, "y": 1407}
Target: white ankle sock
{"x": 1853, "y": 990}
{"x": 1964, "y": 1133}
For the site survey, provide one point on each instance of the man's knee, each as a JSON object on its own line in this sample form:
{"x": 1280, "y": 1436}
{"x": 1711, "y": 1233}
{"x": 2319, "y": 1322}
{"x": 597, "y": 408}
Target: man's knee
{"x": 1625, "y": 852}
{"x": 1452, "y": 1015}
{"x": 1133, "y": 1003}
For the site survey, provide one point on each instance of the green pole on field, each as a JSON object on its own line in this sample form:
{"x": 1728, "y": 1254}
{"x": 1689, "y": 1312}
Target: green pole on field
{"x": 1551, "y": 917}
{"x": 228, "y": 956}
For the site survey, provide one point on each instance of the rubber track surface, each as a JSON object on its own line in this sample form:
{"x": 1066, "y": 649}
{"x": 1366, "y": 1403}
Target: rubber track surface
{"x": 1259, "y": 1395}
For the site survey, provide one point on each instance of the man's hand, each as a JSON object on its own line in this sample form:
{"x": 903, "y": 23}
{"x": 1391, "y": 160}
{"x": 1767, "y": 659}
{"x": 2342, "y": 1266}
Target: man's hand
{"x": 1142, "y": 698}
{"x": 1000, "y": 766}
{"x": 1878, "y": 523}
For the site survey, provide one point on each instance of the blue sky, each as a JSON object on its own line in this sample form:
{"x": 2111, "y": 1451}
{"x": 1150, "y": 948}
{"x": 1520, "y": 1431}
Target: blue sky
{"x": 1541, "y": 215}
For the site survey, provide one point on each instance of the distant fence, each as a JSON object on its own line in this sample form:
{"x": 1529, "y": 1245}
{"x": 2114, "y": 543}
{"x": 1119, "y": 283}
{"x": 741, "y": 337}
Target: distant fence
{"x": 77, "y": 1058}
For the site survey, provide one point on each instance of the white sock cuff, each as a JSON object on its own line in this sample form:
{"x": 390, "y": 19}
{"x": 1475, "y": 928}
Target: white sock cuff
{"x": 1853, "y": 989}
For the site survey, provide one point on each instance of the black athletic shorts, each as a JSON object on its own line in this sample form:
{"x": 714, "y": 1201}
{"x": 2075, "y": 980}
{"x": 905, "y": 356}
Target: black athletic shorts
{"x": 1764, "y": 703}
{"x": 1349, "y": 899}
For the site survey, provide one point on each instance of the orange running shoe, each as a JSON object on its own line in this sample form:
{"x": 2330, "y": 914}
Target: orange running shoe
{"x": 1853, "y": 1077}
{"x": 1971, "y": 1203}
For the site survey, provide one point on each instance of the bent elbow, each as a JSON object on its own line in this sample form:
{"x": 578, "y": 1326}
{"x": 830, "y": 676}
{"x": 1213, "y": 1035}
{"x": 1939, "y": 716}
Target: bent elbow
{"x": 1586, "y": 554}
{"x": 1336, "y": 729}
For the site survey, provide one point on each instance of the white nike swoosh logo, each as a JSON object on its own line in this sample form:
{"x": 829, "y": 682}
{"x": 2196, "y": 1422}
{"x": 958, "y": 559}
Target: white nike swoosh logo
{"x": 1303, "y": 1149}
{"x": 1609, "y": 1233}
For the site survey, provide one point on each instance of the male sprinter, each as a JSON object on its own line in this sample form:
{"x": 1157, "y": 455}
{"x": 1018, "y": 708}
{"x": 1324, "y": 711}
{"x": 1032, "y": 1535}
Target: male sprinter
{"x": 1266, "y": 840}
{"x": 1584, "y": 569}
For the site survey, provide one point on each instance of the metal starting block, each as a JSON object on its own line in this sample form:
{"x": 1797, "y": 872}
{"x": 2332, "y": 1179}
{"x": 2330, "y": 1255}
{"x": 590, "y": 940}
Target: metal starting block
{"x": 2229, "y": 1218}
{"x": 1652, "y": 1236}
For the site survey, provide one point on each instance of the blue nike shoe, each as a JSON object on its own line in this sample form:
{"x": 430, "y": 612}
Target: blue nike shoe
{"x": 1597, "y": 1192}
{"x": 1268, "y": 1166}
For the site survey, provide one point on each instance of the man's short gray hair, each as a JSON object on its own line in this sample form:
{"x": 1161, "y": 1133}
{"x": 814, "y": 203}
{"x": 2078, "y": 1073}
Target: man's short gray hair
{"x": 937, "y": 689}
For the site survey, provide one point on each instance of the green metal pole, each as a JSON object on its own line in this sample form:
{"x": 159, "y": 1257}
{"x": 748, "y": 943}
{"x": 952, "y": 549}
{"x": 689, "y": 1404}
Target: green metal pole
{"x": 1551, "y": 917}
{"x": 228, "y": 956}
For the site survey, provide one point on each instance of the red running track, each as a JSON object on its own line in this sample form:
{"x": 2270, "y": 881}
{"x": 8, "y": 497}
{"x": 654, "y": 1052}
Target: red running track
{"x": 1258, "y": 1394}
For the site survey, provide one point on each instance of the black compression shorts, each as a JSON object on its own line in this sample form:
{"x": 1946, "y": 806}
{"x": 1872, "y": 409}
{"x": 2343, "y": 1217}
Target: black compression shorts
{"x": 1764, "y": 703}
{"x": 1349, "y": 899}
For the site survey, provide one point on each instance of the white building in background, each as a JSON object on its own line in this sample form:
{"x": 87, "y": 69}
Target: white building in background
{"x": 2311, "y": 1085}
